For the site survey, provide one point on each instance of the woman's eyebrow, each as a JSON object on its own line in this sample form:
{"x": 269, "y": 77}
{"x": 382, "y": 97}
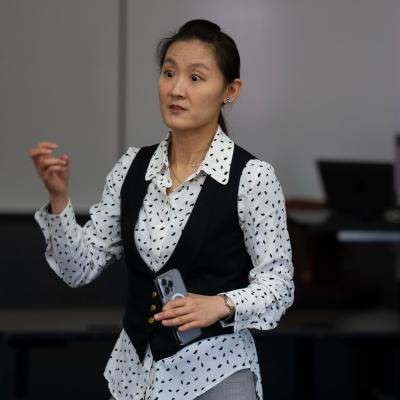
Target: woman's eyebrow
{"x": 194, "y": 65}
{"x": 199, "y": 65}
{"x": 170, "y": 61}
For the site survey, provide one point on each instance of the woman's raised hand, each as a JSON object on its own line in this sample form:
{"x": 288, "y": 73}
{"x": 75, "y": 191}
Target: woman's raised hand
{"x": 54, "y": 171}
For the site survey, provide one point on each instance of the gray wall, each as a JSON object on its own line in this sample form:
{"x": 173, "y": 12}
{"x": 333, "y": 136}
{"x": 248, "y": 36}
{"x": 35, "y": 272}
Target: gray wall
{"x": 58, "y": 82}
{"x": 321, "y": 79}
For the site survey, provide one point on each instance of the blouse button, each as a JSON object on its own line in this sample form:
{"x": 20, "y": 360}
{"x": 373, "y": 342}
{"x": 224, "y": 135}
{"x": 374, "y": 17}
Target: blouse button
{"x": 153, "y": 294}
{"x": 153, "y": 307}
{"x": 151, "y": 320}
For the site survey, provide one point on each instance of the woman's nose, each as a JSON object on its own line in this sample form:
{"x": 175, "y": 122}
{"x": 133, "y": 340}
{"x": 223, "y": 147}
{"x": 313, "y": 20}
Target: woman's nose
{"x": 178, "y": 88}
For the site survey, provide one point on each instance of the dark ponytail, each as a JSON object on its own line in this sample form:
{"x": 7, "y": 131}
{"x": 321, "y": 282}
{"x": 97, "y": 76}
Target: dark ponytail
{"x": 225, "y": 50}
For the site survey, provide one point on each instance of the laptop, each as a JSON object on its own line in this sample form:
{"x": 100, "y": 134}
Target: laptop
{"x": 359, "y": 189}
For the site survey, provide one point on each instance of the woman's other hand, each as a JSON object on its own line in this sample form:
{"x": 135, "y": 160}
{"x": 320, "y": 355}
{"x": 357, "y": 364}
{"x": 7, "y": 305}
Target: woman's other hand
{"x": 54, "y": 172}
{"x": 192, "y": 311}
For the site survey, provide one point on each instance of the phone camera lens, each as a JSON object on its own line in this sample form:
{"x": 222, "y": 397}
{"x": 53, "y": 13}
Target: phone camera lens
{"x": 166, "y": 289}
{"x": 164, "y": 282}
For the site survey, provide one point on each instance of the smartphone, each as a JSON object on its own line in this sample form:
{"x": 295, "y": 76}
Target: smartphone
{"x": 170, "y": 285}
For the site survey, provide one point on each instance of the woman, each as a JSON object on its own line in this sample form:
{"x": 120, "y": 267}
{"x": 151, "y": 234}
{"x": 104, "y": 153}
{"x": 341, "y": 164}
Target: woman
{"x": 197, "y": 202}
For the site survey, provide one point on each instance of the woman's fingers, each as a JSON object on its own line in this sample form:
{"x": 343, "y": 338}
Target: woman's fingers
{"x": 42, "y": 156}
{"x": 179, "y": 320}
{"x": 178, "y": 309}
{"x": 39, "y": 151}
{"x": 48, "y": 171}
{"x": 50, "y": 162}
{"x": 53, "y": 161}
{"x": 47, "y": 144}
{"x": 181, "y": 313}
{"x": 43, "y": 147}
{"x": 38, "y": 154}
{"x": 54, "y": 171}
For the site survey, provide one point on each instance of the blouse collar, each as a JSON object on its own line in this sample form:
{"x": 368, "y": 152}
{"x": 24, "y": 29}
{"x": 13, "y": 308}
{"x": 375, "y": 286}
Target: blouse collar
{"x": 216, "y": 163}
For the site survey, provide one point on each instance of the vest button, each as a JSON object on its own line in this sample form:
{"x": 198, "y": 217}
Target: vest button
{"x": 153, "y": 294}
{"x": 153, "y": 307}
{"x": 150, "y": 320}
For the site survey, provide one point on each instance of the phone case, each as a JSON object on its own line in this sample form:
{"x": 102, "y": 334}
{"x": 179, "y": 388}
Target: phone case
{"x": 170, "y": 285}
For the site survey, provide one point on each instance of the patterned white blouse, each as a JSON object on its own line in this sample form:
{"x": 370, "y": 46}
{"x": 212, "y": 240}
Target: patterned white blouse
{"x": 88, "y": 249}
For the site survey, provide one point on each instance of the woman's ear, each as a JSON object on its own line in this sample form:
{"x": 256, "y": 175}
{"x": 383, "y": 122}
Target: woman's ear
{"x": 233, "y": 89}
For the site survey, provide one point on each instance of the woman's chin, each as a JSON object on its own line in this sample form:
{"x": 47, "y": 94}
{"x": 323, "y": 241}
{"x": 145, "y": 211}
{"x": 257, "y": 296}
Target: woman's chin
{"x": 176, "y": 125}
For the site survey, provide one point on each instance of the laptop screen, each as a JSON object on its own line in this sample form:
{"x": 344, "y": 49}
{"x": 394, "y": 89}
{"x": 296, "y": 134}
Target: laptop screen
{"x": 357, "y": 188}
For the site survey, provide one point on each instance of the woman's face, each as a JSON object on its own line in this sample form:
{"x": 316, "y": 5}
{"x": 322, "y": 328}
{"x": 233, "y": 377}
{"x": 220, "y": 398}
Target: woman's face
{"x": 191, "y": 79}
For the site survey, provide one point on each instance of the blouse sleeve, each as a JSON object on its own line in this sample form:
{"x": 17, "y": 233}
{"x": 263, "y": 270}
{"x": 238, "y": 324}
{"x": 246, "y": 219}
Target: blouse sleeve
{"x": 78, "y": 254}
{"x": 262, "y": 217}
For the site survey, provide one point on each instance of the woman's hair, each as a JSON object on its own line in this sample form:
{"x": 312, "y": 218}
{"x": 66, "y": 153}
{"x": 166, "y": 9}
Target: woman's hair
{"x": 225, "y": 50}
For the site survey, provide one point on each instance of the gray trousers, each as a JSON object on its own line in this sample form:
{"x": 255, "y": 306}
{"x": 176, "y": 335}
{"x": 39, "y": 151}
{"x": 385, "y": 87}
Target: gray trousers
{"x": 241, "y": 385}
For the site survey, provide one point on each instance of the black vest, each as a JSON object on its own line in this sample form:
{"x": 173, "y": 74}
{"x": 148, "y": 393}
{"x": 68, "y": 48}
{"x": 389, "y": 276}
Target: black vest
{"x": 210, "y": 254}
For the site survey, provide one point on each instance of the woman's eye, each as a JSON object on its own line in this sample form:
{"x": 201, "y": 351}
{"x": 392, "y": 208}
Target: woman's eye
{"x": 197, "y": 78}
{"x": 168, "y": 73}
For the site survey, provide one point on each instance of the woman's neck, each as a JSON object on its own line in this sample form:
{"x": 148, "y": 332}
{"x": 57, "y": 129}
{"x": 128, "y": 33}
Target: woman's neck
{"x": 186, "y": 148}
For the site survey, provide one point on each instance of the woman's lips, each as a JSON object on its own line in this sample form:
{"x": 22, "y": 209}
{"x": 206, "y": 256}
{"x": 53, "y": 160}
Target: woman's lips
{"x": 176, "y": 109}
